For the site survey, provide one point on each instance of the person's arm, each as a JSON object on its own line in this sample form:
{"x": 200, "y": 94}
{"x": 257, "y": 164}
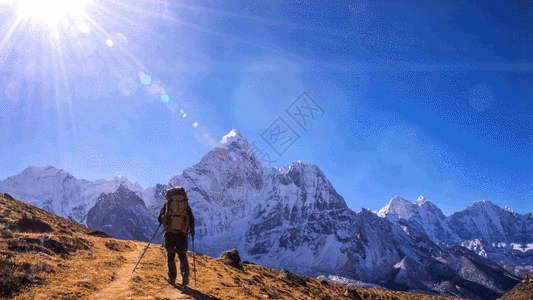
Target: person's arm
{"x": 161, "y": 213}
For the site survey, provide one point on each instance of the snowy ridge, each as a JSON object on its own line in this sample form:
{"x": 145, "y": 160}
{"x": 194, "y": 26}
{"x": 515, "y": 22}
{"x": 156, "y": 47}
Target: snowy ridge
{"x": 398, "y": 208}
{"x": 482, "y": 227}
{"x": 60, "y": 193}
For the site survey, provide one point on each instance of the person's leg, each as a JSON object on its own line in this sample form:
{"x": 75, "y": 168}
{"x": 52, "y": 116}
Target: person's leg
{"x": 184, "y": 263}
{"x": 184, "y": 268}
{"x": 171, "y": 254}
{"x": 172, "y": 272}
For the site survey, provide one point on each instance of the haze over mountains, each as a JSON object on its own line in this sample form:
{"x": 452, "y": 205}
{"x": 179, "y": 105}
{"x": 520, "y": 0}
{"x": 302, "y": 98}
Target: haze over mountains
{"x": 293, "y": 218}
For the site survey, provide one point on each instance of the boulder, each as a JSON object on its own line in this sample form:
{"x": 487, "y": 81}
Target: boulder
{"x": 232, "y": 257}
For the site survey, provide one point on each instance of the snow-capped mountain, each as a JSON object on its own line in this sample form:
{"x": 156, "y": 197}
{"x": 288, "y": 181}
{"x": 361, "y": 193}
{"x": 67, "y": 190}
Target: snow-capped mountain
{"x": 485, "y": 220}
{"x": 122, "y": 215}
{"x": 288, "y": 217}
{"x": 293, "y": 218}
{"x": 398, "y": 207}
{"x": 491, "y": 231}
{"x": 60, "y": 193}
{"x": 423, "y": 215}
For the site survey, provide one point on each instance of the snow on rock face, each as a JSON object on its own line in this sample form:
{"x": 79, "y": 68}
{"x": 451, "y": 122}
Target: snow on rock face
{"x": 300, "y": 213}
{"x": 430, "y": 220}
{"x": 234, "y": 139}
{"x": 482, "y": 221}
{"x": 485, "y": 220}
{"x": 60, "y": 193}
{"x": 398, "y": 207}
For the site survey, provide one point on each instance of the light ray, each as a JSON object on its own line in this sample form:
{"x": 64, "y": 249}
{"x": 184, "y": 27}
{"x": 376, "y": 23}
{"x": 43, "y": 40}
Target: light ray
{"x": 57, "y": 60}
{"x": 10, "y": 32}
{"x": 121, "y": 17}
{"x": 107, "y": 35}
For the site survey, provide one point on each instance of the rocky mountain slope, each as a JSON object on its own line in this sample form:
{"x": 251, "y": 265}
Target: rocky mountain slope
{"x": 123, "y": 215}
{"x": 293, "y": 218}
{"x": 48, "y": 257}
{"x": 498, "y": 233}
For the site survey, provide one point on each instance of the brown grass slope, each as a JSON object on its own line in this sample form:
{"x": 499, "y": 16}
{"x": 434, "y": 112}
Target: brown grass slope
{"x": 522, "y": 291}
{"x": 43, "y": 256}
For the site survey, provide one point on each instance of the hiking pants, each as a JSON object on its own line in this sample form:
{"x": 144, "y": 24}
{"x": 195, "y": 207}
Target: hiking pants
{"x": 184, "y": 264}
{"x": 176, "y": 244}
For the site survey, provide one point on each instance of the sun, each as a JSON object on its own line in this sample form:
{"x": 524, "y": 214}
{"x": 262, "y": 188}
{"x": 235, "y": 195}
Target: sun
{"x": 51, "y": 12}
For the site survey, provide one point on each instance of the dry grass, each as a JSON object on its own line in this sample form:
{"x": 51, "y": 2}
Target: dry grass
{"x": 522, "y": 291}
{"x": 73, "y": 263}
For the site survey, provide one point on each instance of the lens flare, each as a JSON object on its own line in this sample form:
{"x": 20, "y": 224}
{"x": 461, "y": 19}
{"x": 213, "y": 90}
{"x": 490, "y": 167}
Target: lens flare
{"x": 145, "y": 79}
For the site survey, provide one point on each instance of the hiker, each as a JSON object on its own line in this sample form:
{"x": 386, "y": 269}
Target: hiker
{"x": 177, "y": 218}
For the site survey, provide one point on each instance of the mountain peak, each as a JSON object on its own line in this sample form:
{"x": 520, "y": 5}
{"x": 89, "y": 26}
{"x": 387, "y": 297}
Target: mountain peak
{"x": 122, "y": 188}
{"x": 33, "y": 169}
{"x": 483, "y": 203}
{"x": 46, "y": 170}
{"x": 399, "y": 206}
{"x": 507, "y": 208}
{"x": 399, "y": 200}
{"x": 233, "y": 136}
{"x": 421, "y": 200}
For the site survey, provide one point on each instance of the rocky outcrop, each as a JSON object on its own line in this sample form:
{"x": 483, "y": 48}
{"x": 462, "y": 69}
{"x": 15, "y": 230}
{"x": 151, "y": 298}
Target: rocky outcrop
{"x": 122, "y": 215}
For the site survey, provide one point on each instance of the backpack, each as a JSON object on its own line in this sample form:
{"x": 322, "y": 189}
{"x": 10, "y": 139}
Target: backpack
{"x": 175, "y": 217}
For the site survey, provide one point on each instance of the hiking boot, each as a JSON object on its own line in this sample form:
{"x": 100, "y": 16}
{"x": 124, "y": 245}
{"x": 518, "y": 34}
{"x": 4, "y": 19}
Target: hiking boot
{"x": 172, "y": 280}
{"x": 185, "y": 278}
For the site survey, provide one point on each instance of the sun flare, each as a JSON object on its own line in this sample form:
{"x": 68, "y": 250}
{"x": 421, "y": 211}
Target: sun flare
{"x": 50, "y": 11}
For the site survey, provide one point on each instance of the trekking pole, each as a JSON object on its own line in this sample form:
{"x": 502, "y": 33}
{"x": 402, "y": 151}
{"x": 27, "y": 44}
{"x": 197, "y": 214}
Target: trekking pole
{"x": 146, "y": 248}
{"x": 194, "y": 260}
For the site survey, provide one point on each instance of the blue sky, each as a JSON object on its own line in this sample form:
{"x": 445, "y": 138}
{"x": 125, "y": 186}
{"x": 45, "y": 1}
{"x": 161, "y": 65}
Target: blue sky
{"x": 417, "y": 99}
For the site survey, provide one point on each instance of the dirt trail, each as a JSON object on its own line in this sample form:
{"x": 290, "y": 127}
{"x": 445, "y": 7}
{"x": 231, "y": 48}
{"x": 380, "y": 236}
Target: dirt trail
{"x": 153, "y": 276}
{"x": 120, "y": 287}
{"x": 147, "y": 282}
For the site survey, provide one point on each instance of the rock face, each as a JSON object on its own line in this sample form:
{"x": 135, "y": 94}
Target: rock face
{"x": 122, "y": 215}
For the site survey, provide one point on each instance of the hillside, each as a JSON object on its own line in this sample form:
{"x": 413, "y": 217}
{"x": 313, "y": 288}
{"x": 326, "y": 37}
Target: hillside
{"x": 49, "y": 257}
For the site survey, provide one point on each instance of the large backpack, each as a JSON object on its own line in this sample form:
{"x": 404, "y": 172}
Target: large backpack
{"x": 175, "y": 218}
